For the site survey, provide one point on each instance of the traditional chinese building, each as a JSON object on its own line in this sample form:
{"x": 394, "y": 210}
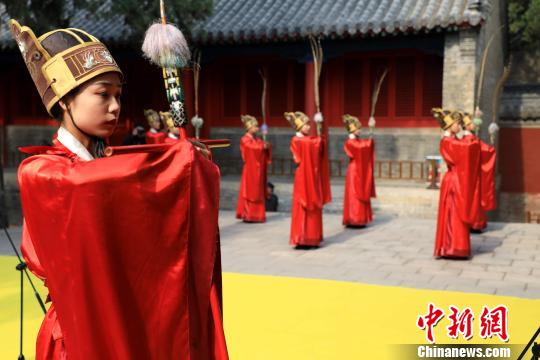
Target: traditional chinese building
{"x": 432, "y": 50}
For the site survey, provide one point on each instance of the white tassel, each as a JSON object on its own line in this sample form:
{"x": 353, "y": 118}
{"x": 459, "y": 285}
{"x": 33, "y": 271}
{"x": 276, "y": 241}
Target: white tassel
{"x": 371, "y": 122}
{"x": 197, "y": 122}
{"x": 493, "y": 128}
{"x": 166, "y": 46}
{"x": 318, "y": 118}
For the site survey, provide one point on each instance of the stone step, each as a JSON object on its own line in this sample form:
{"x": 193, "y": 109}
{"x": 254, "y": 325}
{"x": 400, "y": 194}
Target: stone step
{"x": 394, "y": 197}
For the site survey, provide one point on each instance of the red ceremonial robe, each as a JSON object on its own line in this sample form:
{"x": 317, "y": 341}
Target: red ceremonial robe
{"x": 129, "y": 249}
{"x": 155, "y": 137}
{"x": 311, "y": 190}
{"x": 251, "y": 199}
{"x": 487, "y": 184}
{"x": 359, "y": 183}
{"x": 168, "y": 139}
{"x": 459, "y": 200}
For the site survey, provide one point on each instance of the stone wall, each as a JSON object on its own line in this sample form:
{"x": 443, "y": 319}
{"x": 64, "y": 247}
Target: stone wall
{"x": 513, "y": 207}
{"x": 391, "y": 143}
{"x": 463, "y": 54}
{"x": 25, "y": 135}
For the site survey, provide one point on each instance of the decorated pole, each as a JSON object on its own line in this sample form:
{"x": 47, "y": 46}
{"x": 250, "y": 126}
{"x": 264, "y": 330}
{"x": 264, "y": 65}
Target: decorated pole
{"x": 165, "y": 46}
{"x": 264, "y": 127}
{"x": 493, "y": 127}
{"x": 374, "y": 97}
{"x": 477, "y": 119}
{"x": 316, "y": 50}
{"x": 196, "y": 120}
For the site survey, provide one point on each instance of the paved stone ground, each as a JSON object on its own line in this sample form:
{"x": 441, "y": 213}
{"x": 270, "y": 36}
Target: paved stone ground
{"x": 391, "y": 251}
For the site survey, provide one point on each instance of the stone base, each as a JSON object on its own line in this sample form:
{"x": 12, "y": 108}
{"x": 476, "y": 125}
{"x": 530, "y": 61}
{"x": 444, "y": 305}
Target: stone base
{"x": 513, "y": 207}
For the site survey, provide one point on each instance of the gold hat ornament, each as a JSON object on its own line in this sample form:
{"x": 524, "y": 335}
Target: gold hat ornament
{"x": 352, "y": 124}
{"x": 297, "y": 119}
{"x": 61, "y": 60}
{"x": 467, "y": 119}
{"x": 167, "y": 119}
{"x": 249, "y": 121}
{"x": 446, "y": 118}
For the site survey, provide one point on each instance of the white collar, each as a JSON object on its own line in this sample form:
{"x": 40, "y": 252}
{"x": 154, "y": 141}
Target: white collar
{"x": 299, "y": 134}
{"x": 352, "y": 136}
{"x": 172, "y": 136}
{"x": 72, "y": 144}
{"x": 466, "y": 132}
{"x": 153, "y": 131}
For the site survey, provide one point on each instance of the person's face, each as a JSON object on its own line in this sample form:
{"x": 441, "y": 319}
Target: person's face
{"x": 253, "y": 130}
{"x": 471, "y": 127}
{"x": 269, "y": 190}
{"x": 96, "y": 107}
{"x": 357, "y": 133}
{"x": 455, "y": 128}
{"x": 155, "y": 121}
{"x": 305, "y": 129}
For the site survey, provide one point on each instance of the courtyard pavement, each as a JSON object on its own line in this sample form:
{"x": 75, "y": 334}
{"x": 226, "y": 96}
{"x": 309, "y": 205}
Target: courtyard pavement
{"x": 394, "y": 251}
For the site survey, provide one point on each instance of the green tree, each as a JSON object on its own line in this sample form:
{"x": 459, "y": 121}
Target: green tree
{"x": 44, "y": 15}
{"x": 139, "y": 14}
{"x": 524, "y": 21}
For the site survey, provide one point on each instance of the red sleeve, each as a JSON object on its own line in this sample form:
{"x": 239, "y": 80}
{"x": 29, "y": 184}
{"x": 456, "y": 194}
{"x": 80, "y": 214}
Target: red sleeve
{"x": 325, "y": 172}
{"x": 487, "y": 174}
{"x": 296, "y": 150}
{"x": 29, "y": 254}
{"x": 464, "y": 158}
{"x": 124, "y": 236}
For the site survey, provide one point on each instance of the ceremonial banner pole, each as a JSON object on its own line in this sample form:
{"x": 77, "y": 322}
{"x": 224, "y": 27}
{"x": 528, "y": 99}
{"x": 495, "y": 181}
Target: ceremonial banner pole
{"x": 264, "y": 127}
{"x": 374, "y": 98}
{"x": 317, "y": 52}
{"x": 165, "y": 46}
{"x": 493, "y": 127}
{"x": 196, "y": 120}
{"x": 477, "y": 118}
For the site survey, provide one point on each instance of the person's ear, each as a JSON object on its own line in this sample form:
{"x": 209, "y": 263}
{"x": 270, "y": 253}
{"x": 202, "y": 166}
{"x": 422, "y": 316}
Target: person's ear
{"x": 63, "y": 105}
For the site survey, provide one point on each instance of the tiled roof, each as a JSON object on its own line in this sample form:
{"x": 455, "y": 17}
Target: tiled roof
{"x": 274, "y": 20}
{"x": 269, "y": 20}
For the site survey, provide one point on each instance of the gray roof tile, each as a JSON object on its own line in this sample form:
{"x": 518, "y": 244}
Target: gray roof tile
{"x": 270, "y": 20}
{"x": 255, "y": 20}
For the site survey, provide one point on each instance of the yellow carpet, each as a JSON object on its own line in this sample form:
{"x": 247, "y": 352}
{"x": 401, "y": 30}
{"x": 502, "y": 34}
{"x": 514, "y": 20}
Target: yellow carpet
{"x": 270, "y": 317}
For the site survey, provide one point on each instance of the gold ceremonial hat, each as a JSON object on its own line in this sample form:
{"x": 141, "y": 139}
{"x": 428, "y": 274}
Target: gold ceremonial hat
{"x": 297, "y": 119}
{"x": 167, "y": 119}
{"x": 249, "y": 121}
{"x": 445, "y": 117}
{"x": 467, "y": 119}
{"x": 352, "y": 124}
{"x": 61, "y": 60}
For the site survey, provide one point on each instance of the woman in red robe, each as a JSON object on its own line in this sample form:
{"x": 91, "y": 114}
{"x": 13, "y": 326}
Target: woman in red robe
{"x": 458, "y": 203}
{"x": 127, "y": 245}
{"x": 359, "y": 183}
{"x": 488, "y": 159}
{"x": 311, "y": 183}
{"x": 256, "y": 156}
{"x": 154, "y": 135}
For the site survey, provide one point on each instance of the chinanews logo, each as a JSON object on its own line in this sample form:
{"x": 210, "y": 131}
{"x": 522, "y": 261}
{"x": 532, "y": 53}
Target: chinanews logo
{"x": 464, "y": 324}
